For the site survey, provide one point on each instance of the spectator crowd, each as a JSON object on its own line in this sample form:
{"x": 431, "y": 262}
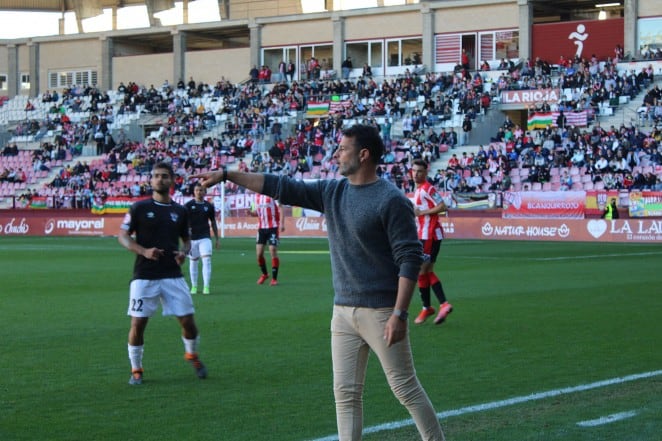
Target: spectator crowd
{"x": 423, "y": 105}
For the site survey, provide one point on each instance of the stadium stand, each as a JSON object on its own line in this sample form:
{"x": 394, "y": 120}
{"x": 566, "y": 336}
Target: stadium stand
{"x": 69, "y": 151}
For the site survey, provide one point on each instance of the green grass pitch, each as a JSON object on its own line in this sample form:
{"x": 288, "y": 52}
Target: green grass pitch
{"x": 530, "y": 317}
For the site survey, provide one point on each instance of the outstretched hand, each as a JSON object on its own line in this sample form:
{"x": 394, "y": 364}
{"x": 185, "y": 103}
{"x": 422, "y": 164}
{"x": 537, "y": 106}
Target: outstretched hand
{"x": 208, "y": 179}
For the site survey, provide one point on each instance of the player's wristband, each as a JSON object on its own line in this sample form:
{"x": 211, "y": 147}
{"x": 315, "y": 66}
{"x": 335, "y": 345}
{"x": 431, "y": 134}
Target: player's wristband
{"x": 225, "y": 173}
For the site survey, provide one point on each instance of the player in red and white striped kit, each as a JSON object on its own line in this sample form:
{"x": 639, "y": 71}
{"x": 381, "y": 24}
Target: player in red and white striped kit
{"x": 270, "y": 223}
{"x": 427, "y": 206}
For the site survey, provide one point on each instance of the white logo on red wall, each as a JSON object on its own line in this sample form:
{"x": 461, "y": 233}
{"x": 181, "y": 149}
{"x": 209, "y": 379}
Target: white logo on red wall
{"x": 526, "y": 231}
{"x": 82, "y": 227}
{"x": 49, "y": 227}
{"x": 596, "y": 228}
{"x": 308, "y": 224}
{"x": 579, "y": 37}
{"x": 16, "y": 228}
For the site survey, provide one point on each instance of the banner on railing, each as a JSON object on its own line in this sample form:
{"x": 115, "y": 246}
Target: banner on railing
{"x": 113, "y": 205}
{"x": 317, "y": 108}
{"x": 38, "y": 203}
{"x": 474, "y": 201}
{"x": 544, "y": 204}
{"x": 645, "y": 204}
{"x": 540, "y": 120}
{"x": 338, "y": 106}
{"x": 596, "y": 200}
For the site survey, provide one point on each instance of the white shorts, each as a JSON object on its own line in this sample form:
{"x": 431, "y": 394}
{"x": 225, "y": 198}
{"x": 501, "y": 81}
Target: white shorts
{"x": 200, "y": 247}
{"x": 146, "y": 295}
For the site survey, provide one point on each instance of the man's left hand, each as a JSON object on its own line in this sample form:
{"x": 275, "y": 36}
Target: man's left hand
{"x": 395, "y": 330}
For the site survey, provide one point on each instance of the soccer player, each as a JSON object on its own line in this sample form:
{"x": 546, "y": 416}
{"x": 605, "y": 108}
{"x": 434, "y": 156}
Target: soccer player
{"x": 270, "y": 221}
{"x": 153, "y": 229}
{"x": 427, "y": 206}
{"x": 201, "y": 214}
{"x": 375, "y": 260}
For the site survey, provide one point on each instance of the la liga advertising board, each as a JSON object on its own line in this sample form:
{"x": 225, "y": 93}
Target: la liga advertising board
{"x": 488, "y": 228}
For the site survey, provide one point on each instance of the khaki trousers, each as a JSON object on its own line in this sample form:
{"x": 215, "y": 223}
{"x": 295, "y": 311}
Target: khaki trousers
{"x": 354, "y": 332}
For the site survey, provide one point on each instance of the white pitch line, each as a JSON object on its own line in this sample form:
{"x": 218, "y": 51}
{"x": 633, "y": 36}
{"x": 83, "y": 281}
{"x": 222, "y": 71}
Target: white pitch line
{"x": 562, "y": 258}
{"x": 597, "y": 256}
{"x": 508, "y": 402}
{"x": 303, "y": 252}
{"x": 607, "y": 419}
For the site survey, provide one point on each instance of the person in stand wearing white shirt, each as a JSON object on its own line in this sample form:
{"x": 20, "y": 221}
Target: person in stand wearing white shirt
{"x": 122, "y": 168}
{"x": 601, "y": 165}
{"x": 475, "y": 181}
{"x": 578, "y": 159}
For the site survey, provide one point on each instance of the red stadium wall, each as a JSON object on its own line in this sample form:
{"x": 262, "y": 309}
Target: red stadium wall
{"x": 551, "y": 40}
{"x": 480, "y": 225}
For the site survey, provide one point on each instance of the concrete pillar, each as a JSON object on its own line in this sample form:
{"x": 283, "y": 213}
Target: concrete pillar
{"x": 34, "y": 69}
{"x": 338, "y": 42}
{"x": 631, "y": 11}
{"x": 114, "y": 18}
{"x": 185, "y": 12}
{"x": 179, "y": 56}
{"x": 256, "y": 43}
{"x": 427, "y": 57}
{"x": 12, "y": 71}
{"x": 525, "y": 24}
{"x": 106, "y": 80}
{"x": 224, "y": 9}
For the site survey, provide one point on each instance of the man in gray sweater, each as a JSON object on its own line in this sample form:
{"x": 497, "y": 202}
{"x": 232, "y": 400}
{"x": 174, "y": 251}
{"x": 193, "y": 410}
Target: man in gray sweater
{"x": 375, "y": 259}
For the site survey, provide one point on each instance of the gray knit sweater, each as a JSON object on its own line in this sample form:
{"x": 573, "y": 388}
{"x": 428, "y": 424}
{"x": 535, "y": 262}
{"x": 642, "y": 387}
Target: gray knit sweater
{"x": 372, "y": 235}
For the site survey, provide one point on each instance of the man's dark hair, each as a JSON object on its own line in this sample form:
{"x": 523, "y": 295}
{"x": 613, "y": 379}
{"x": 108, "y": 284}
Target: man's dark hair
{"x": 366, "y": 137}
{"x": 164, "y": 166}
{"x": 420, "y": 163}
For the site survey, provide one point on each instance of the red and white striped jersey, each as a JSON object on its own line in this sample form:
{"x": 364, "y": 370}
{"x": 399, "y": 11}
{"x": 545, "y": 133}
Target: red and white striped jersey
{"x": 267, "y": 212}
{"x": 425, "y": 198}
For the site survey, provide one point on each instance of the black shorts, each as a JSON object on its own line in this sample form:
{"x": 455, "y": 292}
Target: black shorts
{"x": 269, "y": 235}
{"x": 431, "y": 248}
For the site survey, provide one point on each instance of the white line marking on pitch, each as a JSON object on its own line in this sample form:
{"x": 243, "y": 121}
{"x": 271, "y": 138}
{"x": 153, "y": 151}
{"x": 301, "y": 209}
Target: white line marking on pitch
{"x": 651, "y": 253}
{"x": 508, "y": 402}
{"x": 607, "y": 419}
{"x": 563, "y": 258}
